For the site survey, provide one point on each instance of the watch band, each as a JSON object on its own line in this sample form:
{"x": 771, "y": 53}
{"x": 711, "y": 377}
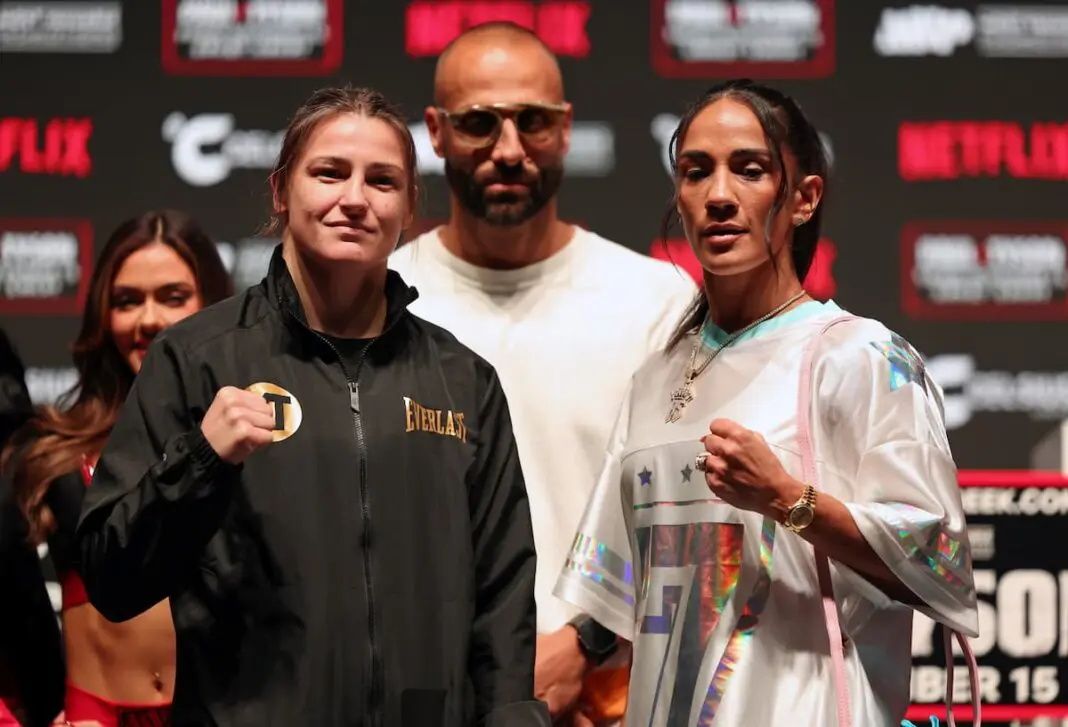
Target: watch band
{"x": 596, "y": 642}
{"x": 801, "y": 514}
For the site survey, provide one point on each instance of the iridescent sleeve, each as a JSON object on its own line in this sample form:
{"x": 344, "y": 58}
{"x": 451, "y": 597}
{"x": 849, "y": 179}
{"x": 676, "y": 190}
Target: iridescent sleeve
{"x": 884, "y": 430}
{"x": 598, "y": 576}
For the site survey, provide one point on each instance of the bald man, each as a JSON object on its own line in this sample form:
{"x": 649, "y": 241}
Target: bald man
{"x": 564, "y": 315}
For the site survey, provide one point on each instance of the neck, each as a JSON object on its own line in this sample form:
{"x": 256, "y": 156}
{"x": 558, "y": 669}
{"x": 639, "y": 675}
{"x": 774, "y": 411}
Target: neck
{"x": 735, "y": 301}
{"x": 505, "y": 248}
{"x": 337, "y": 299}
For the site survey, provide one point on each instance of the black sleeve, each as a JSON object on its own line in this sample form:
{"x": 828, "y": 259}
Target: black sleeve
{"x": 15, "y": 407}
{"x": 65, "y": 497}
{"x": 159, "y": 492}
{"x": 501, "y": 662}
{"x": 30, "y": 640}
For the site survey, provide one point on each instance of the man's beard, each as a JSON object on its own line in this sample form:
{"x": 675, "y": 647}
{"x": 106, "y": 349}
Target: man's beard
{"x": 504, "y": 210}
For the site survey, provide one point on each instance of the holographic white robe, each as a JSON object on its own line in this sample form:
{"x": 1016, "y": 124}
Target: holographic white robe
{"x": 722, "y": 605}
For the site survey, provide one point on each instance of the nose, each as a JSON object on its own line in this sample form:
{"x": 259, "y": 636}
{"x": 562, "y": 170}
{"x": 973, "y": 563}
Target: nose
{"x": 508, "y": 151}
{"x": 353, "y": 200}
{"x": 151, "y": 321}
{"x": 721, "y": 202}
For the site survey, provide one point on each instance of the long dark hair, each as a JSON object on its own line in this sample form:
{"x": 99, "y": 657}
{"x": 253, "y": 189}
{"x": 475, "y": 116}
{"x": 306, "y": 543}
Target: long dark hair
{"x": 54, "y": 441}
{"x": 785, "y": 125}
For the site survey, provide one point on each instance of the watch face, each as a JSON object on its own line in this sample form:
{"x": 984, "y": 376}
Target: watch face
{"x": 801, "y": 516}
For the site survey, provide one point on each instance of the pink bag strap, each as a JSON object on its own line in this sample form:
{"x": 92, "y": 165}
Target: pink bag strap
{"x": 823, "y": 572}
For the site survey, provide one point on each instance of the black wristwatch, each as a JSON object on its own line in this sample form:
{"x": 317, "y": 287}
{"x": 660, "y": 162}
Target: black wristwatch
{"x": 596, "y": 642}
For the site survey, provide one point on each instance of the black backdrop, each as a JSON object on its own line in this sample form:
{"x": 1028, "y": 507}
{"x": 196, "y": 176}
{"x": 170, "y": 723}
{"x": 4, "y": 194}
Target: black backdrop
{"x": 947, "y": 125}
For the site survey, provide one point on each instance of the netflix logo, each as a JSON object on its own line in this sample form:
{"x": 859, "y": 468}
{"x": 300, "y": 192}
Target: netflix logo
{"x": 58, "y": 147}
{"x": 430, "y": 25}
{"x": 939, "y": 150}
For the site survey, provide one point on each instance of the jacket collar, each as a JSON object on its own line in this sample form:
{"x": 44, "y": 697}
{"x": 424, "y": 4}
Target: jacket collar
{"x": 282, "y": 293}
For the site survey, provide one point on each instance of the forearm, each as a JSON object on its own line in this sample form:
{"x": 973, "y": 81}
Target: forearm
{"x": 834, "y": 532}
{"x": 136, "y": 546}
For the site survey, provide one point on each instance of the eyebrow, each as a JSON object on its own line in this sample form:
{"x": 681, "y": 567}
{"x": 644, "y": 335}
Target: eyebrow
{"x": 375, "y": 166}
{"x": 386, "y": 167}
{"x": 166, "y": 287}
{"x": 698, "y": 155}
{"x": 327, "y": 160}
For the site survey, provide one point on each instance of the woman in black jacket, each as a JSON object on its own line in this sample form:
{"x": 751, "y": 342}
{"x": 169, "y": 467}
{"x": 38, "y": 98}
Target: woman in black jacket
{"x": 325, "y": 486}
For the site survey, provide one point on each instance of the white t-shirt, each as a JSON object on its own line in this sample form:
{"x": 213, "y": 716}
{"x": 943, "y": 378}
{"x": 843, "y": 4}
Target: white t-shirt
{"x": 565, "y": 335}
{"x": 722, "y": 606}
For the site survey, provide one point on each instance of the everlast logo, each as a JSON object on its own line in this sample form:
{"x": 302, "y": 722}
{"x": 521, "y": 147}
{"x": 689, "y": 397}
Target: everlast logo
{"x": 418, "y": 418}
{"x": 287, "y": 411}
{"x": 60, "y": 148}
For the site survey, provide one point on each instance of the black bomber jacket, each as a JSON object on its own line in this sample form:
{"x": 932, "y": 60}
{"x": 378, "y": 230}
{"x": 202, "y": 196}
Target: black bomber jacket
{"x": 373, "y": 566}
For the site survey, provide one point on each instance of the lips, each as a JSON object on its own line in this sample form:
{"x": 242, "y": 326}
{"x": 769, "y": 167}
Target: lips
{"x": 722, "y": 234}
{"x": 351, "y": 227}
{"x": 716, "y": 230}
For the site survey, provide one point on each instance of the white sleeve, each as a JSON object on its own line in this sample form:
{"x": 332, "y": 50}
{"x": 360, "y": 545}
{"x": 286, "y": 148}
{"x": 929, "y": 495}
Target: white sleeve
{"x": 598, "y": 576}
{"x": 883, "y": 422}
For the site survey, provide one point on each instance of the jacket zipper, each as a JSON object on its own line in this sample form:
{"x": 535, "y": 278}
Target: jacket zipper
{"x": 365, "y": 515}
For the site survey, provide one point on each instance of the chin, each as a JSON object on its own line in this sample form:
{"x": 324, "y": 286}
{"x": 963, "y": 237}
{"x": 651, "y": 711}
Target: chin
{"x": 727, "y": 264}
{"x": 364, "y": 252}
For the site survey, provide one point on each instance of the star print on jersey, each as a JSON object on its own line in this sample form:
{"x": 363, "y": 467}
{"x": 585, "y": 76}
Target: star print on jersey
{"x": 906, "y": 366}
{"x": 686, "y": 472}
{"x": 645, "y": 477}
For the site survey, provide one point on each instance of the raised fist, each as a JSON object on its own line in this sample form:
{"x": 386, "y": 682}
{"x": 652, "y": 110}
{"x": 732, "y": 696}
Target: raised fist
{"x": 238, "y": 423}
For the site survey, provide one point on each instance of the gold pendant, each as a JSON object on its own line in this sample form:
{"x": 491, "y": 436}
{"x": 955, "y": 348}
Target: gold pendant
{"x": 680, "y": 397}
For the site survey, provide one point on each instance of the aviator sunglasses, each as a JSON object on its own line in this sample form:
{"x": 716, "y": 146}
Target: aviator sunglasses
{"x": 480, "y": 125}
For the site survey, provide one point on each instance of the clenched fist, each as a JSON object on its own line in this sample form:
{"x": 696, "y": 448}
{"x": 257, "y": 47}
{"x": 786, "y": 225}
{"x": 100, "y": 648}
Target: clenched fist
{"x": 237, "y": 424}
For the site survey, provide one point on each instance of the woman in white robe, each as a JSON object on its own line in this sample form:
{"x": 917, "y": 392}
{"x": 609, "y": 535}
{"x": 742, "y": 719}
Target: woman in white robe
{"x": 698, "y": 543}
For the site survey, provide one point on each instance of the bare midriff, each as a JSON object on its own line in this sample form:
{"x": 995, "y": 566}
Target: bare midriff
{"x": 130, "y": 662}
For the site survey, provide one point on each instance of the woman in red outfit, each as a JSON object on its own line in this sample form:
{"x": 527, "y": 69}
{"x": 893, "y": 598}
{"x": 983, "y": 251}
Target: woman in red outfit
{"x": 154, "y": 271}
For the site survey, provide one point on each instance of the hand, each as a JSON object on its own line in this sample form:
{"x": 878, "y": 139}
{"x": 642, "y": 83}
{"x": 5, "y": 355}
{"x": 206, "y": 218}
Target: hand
{"x": 579, "y": 719}
{"x": 237, "y": 424}
{"x": 559, "y": 668}
{"x": 741, "y": 469}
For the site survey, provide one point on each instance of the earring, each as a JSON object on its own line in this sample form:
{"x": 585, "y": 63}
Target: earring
{"x": 798, "y": 221}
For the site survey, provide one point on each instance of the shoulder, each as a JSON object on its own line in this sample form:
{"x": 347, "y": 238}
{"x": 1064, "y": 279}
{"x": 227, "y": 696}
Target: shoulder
{"x": 446, "y": 351}
{"x": 243, "y": 311}
{"x": 404, "y": 258}
{"x": 862, "y": 341}
{"x": 627, "y": 265}
{"x": 860, "y": 356}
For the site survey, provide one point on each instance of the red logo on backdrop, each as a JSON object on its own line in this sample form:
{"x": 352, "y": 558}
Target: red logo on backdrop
{"x": 819, "y": 283}
{"x": 731, "y": 38}
{"x": 252, "y": 37}
{"x": 44, "y": 265}
{"x": 430, "y": 25}
{"x": 931, "y": 150}
{"x": 57, "y": 147}
{"x": 982, "y": 270}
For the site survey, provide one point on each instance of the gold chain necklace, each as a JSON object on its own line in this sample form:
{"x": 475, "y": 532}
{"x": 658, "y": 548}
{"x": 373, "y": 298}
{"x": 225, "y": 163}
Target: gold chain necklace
{"x": 683, "y": 395}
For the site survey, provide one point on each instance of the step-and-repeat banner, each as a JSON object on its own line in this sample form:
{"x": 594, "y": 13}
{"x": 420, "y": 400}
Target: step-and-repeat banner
{"x": 946, "y": 215}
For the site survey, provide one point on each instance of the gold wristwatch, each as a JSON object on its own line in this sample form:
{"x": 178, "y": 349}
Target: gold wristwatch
{"x": 801, "y": 513}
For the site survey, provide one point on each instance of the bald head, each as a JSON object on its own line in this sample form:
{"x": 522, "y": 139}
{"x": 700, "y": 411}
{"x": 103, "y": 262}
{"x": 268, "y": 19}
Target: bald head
{"x": 496, "y": 58}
